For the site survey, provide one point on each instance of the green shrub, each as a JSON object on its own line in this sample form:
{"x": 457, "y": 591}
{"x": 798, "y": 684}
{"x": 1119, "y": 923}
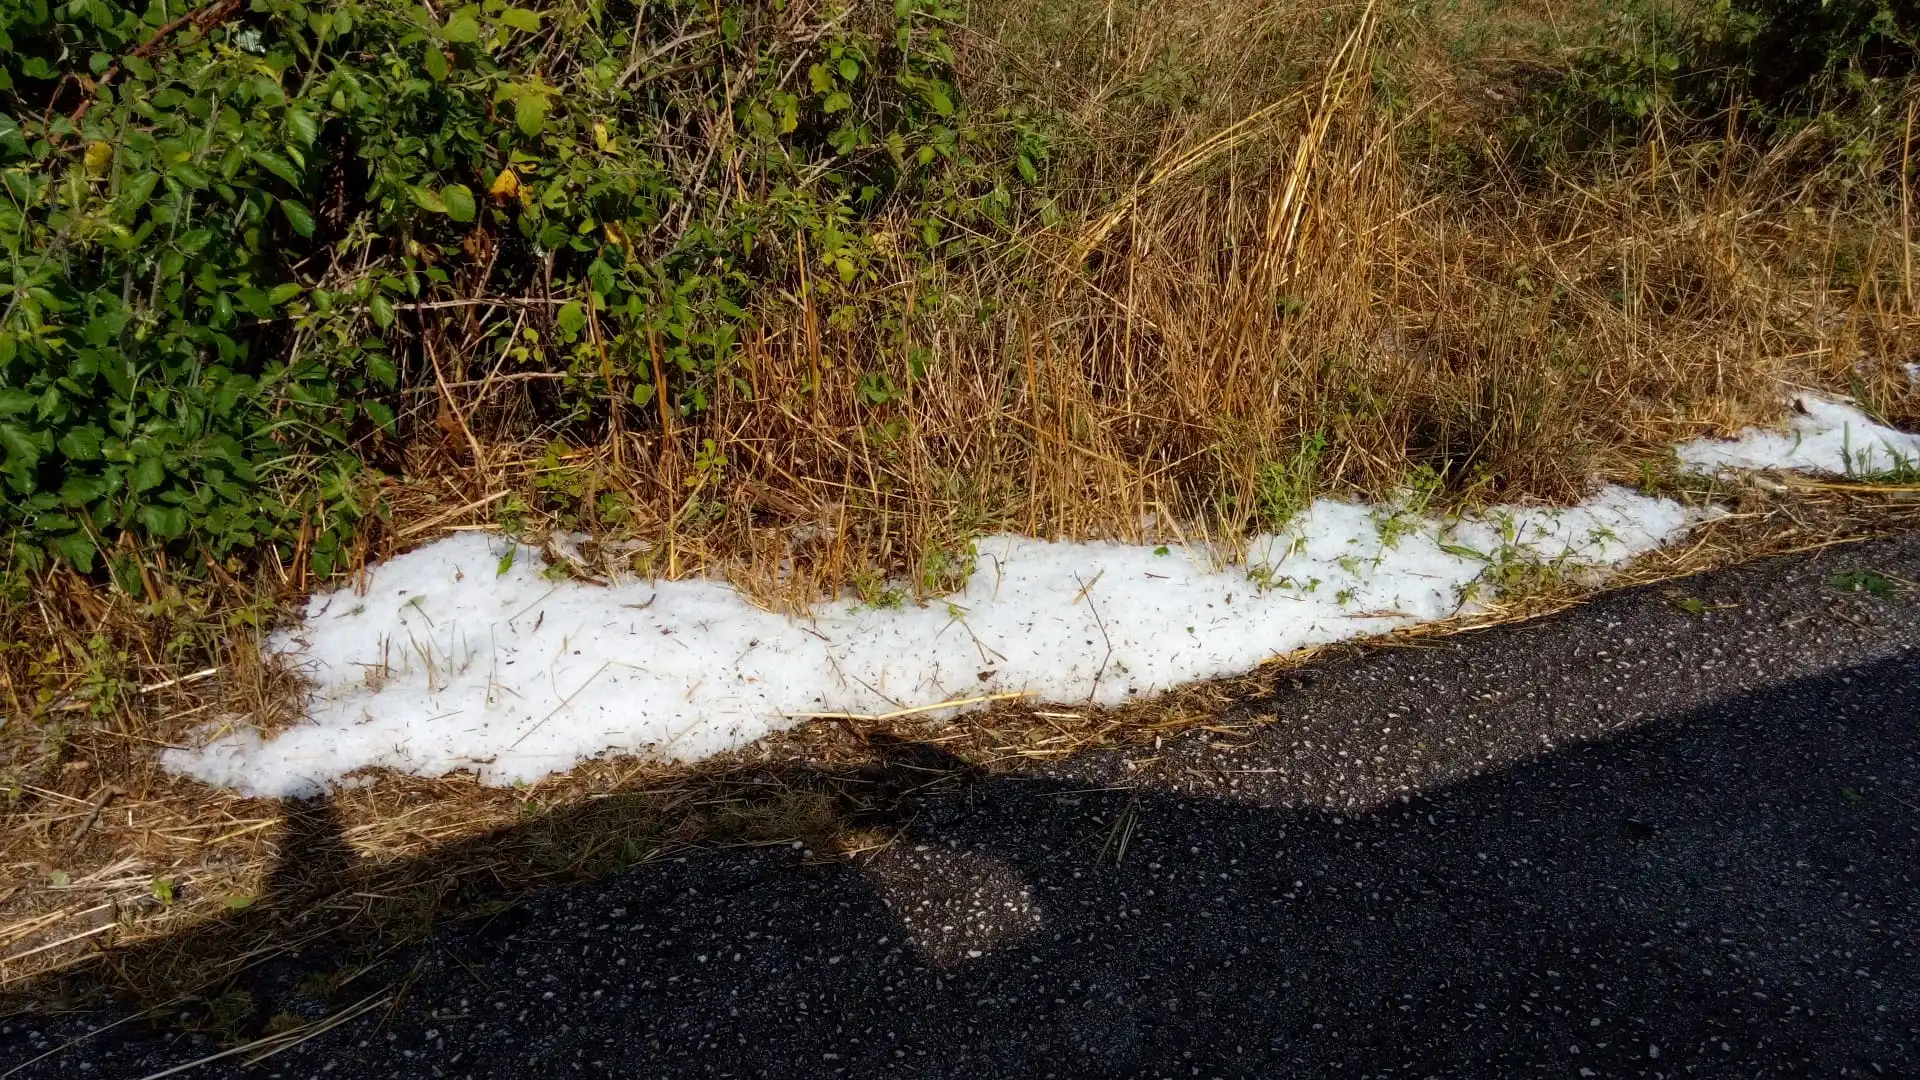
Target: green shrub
{"x": 1685, "y": 64}
{"x": 1797, "y": 51}
{"x": 234, "y": 237}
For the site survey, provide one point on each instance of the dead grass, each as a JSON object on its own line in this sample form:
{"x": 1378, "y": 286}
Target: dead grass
{"x": 1279, "y": 221}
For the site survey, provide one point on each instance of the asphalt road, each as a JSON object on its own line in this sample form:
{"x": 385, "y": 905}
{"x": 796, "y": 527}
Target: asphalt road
{"x": 1633, "y": 840}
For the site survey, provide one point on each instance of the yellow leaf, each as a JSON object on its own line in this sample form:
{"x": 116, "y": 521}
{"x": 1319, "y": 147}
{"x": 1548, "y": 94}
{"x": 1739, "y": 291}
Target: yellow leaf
{"x": 97, "y": 157}
{"x": 600, "y": 137}
{"x": 505, "y": 186}
{"x": 618, "y": 238}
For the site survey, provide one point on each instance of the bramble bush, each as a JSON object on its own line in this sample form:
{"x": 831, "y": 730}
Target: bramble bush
{"x": 1783, "y": 63}
{"x": 233, "y": 233}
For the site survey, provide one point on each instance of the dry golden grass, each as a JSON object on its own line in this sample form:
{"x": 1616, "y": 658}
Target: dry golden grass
{"x": 1257, "y": 244}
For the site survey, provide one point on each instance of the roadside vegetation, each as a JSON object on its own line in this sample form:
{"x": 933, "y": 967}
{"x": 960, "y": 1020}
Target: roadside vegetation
{"x": 811, "y": 294}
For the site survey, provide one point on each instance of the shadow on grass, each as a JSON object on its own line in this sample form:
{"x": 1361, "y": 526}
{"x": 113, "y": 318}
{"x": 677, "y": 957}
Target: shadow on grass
{"x": 324, "y": 913}
{"x": 1730, "y": 891}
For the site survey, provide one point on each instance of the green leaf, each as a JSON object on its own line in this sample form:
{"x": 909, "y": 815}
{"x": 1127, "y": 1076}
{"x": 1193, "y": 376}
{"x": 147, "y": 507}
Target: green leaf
{"x": 942, "y": 104}
{"x": 277, "y": 165}
{"x": 571, "y": 319}
{"x": 74, "y": 549}
{"x": 284, "y": 292}
{"x": 838, "y": 101}
{"x": 302, "y": 127}
{"x": 436, "y": 63}
{"x": 380, "y": 414}
{"x": 81, "y": 443}
{"x": 849, "y": 69}
{"x": 80, "y": 492}
{"x": 138, "y": 190}
{"x": 506, "y": 561}
{"x": 428, "y": 199}
{"x": 23, "y": 450}
{"x": 166, "y": 522}
{"x": 382, "y": 309}
{"x": 100, "y": 330}
{"x": 521, "y": 19}
{"x": 459, "y": 201}
{"x": 28, "y": 557}
{"x": 463, "y": 27}
{"x": 380, "y": 366}
{"x": 190, "y": 175}
{"x": 239, "y": 901}
{"x": 255, "y": 301}
{"x": 298, "y": 216}
{"x": 147, "y": 475}
{"x": 530, "y": 113}
{"x": 268, "y": 91}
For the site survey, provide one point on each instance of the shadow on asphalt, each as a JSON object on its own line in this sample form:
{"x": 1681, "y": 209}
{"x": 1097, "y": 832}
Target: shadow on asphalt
{"x": 1730, "y": 891}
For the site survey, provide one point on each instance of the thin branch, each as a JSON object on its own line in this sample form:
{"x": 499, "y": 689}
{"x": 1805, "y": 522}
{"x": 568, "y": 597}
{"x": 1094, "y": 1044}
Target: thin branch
{"x": 203, "y": 20}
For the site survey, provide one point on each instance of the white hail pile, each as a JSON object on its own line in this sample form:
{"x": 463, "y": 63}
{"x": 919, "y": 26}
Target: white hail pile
{"x": 1821, "y": 436}
{"x": 458, "y": 656}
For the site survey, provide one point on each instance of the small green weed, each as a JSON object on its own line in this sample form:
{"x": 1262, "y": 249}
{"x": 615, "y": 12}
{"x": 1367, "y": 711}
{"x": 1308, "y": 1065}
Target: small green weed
{"x": 228, "y": 1013}
{"x": 946, "y": 570}
{"x": 875, "y": 591}
{"x": 1865, "y": 466}
{"x": 1266, "y": 578}
{"x": 1284, "y": 489}
{"x": 1407, "y": 512}
{"x": 1866, "y": 581}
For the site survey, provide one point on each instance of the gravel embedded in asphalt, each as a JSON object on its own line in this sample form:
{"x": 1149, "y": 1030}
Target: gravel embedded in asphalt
{"x": 1644, "y": 838}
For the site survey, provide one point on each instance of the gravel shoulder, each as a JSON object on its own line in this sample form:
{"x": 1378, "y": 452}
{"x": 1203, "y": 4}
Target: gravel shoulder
{"x": 1673, "y": 832}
